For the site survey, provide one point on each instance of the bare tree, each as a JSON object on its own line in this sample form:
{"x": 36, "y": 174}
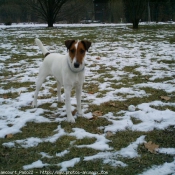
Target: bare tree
{"x": 134, "y": 10}
{"x": 47, "y": 10}
{"x": 76, "y": 11}
{"x": 116, "y": 10}
{"x": 162, "y": 10}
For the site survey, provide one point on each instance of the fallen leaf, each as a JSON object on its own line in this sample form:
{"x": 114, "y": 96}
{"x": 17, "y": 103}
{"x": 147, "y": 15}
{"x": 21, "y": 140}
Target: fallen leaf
{"x": 151, "y": 146}
{"x": 165, "y": 98}
{"x": 74, "y": 112}
{"x": 8, "y": 136}
{"x": 5, "y": 96}
{"x": 98, "y": 58}
{"x": 90, "y": 92}
{"x": 125, "y": 105}
{"x": 97, "y": 113}
{"x": 93, "y": 118}
{"x": 112, "y": 104}
{"x": 109, "y": 134}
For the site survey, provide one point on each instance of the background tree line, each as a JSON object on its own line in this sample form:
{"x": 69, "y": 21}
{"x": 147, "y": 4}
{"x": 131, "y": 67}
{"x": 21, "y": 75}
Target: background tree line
{"x": 75, "y": 11}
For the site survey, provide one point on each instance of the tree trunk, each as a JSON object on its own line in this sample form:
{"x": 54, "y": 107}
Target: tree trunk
{"x": 157, "y": 14}
{"x": 135, "y": 23}
{"x": 49, "y": 24}
{"x": 50, "y": 18}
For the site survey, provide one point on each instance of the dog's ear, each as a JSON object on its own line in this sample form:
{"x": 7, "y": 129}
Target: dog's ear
{"x": 69, "y": 43}
{"x": 86, "y": 44}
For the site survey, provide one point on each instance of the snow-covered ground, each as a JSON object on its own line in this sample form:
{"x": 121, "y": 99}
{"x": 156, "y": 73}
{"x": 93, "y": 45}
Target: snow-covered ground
{"x": 150, "y": 58}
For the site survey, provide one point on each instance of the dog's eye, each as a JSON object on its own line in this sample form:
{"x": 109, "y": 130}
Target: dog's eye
{"x": 72, "y": 50}
{"x": 82, "y": 51}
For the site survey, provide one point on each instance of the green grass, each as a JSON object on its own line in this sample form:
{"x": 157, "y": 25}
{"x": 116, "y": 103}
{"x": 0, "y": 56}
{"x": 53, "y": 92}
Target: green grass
{"x": 172, "y": 40}
{"x": 16, "y": 157}
{"x": 16, "y": 85}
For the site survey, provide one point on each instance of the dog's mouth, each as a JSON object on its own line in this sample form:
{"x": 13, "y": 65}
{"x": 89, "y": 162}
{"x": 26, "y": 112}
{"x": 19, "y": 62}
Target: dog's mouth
{"x": 75, "y": 66}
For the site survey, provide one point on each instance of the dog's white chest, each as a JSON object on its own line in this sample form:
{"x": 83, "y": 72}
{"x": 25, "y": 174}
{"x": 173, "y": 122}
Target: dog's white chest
{"x": 77, "y": 79}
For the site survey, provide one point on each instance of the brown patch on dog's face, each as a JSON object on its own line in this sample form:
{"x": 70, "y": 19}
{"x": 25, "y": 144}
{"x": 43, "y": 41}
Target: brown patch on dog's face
{"x": 81, "y": 51}
{"x": 68, "y": 43}
{"x": 86, "y": 44}
{"x": 77, "y": 50}
{"x": 73, "y": 50}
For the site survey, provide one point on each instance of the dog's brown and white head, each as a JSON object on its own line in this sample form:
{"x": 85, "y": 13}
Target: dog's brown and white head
{"x": 77, "y": 53}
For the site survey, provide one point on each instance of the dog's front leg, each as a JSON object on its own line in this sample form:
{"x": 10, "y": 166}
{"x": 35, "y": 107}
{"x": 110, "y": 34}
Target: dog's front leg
{"x": 59, "y": 92}
{"x": 68, "y": 104}
{"x": 78, "y": 97}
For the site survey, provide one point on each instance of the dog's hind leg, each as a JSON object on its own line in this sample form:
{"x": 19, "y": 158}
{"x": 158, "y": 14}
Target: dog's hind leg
{"x": 40, "y": 80}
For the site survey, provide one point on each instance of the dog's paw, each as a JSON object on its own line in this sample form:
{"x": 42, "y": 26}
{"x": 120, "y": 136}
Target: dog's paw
{"x": 34, "y": 105}
{"x": 71, "y": 119}
{"x": 79, "y": 113}
{"x": 60, "y": 100}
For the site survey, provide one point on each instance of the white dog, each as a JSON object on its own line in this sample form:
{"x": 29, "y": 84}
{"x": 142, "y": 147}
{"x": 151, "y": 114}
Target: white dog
{"x": 68, "y": 70}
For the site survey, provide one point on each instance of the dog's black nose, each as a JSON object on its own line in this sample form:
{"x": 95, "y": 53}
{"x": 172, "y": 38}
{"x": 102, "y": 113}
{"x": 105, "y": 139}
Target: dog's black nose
{"x": 76, "y": 65}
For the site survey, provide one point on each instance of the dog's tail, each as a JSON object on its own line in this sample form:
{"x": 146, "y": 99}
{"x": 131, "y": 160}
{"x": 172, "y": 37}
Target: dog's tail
{"x": 40, "y": 45}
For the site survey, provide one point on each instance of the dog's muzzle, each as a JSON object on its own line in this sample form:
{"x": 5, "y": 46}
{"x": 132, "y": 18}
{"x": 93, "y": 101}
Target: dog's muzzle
{"x": 76, "y": 65}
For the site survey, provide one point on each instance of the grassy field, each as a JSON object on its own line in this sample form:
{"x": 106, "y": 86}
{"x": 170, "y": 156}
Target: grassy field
{"x": 135, "y": 67}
